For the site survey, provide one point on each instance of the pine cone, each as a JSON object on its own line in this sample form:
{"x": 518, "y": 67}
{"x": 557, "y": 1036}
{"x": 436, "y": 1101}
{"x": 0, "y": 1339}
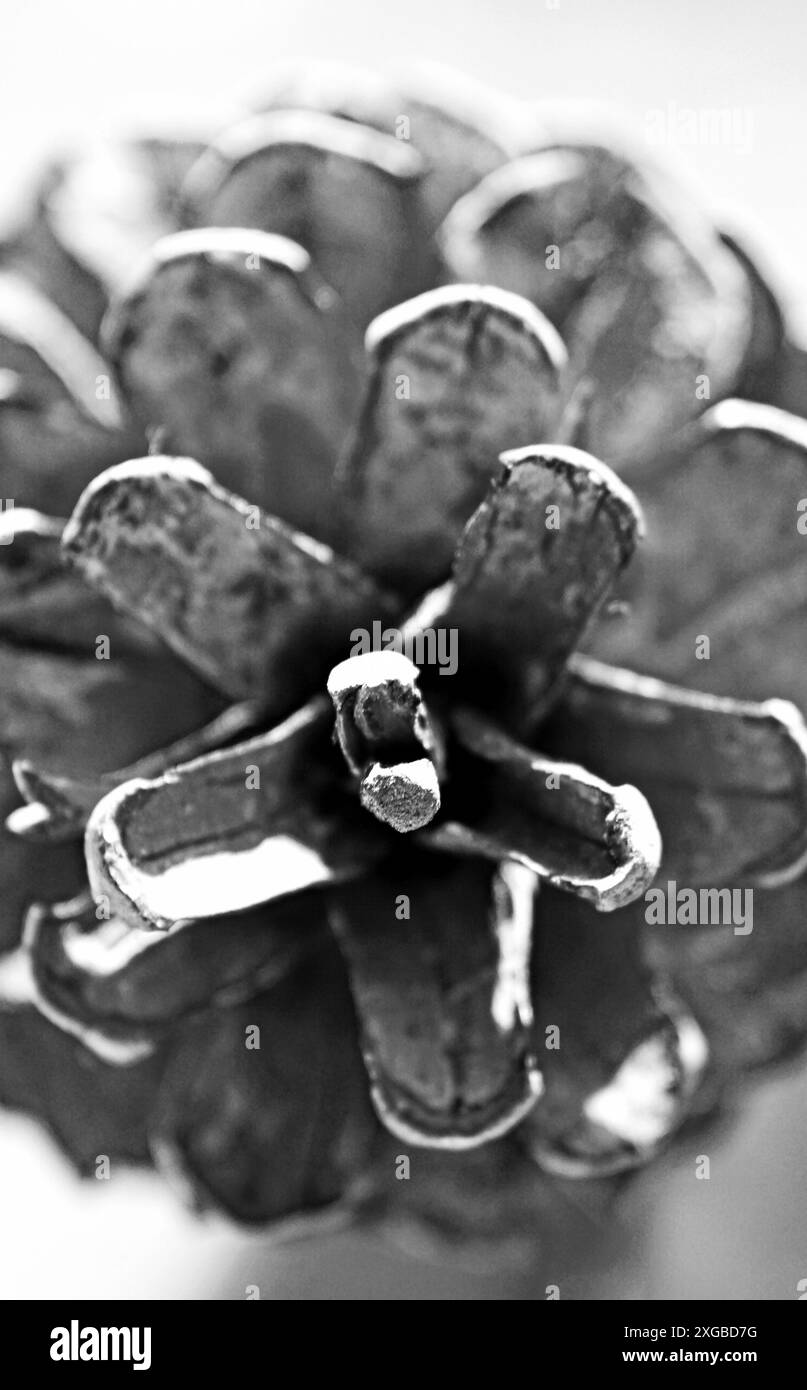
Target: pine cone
{"x": 373, "y": 869}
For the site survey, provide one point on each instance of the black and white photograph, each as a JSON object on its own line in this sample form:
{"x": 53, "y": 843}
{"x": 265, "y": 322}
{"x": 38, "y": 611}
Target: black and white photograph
{"x": 403, "y": 665}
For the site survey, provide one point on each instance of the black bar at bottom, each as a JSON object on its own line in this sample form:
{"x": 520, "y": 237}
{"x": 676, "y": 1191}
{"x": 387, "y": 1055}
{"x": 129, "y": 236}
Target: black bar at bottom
{"x": 54, "y": 1340}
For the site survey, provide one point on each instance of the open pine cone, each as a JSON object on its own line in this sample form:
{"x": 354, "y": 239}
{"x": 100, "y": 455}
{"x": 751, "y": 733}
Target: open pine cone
{"x": 339, "y": 908}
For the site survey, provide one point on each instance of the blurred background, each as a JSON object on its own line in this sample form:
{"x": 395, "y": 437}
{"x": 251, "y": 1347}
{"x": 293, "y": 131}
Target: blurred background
{"x": 90, "y": 69}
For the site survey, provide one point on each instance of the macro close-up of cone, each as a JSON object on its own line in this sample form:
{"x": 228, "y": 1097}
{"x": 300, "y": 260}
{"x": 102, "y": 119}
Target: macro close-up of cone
{"x": 403, "y": 592}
